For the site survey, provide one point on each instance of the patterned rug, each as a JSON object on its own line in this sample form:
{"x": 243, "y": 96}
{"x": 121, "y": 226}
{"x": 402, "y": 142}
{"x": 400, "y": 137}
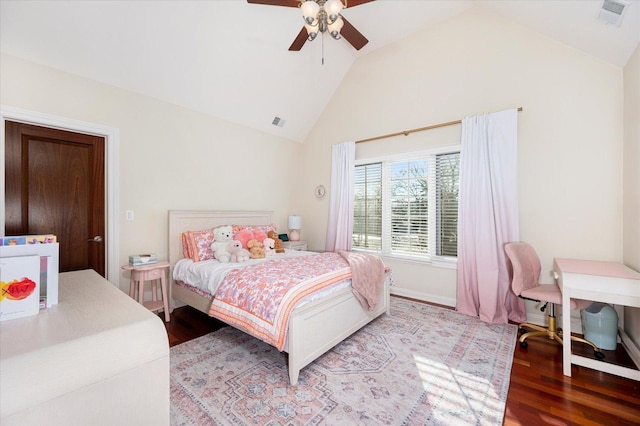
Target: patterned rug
{"x": 420, "y": 365}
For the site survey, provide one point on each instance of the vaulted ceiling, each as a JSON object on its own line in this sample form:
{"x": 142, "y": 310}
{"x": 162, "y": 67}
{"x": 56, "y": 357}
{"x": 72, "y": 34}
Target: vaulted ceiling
{"x": 229, "y": 59}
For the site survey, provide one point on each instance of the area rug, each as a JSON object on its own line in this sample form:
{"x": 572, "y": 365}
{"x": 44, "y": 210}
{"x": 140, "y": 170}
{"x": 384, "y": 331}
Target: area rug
{"x": 420, "y": 365}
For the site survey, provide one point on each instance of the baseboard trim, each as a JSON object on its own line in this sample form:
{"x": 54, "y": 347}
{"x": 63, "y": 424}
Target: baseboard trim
{"x": 446, "y": 301}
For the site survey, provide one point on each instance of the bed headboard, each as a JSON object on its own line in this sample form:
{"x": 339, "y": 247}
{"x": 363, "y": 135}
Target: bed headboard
{"x": 195, "y": 220}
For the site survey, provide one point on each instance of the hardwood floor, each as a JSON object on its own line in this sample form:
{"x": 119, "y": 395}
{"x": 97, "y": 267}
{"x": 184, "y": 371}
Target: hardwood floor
{"x": 539, "y": 394}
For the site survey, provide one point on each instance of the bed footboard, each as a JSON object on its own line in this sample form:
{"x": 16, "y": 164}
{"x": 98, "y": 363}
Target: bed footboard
{"x": 319, "y": 326}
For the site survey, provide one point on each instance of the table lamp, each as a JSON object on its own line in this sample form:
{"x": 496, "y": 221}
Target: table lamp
{"x": 295, "y": 223}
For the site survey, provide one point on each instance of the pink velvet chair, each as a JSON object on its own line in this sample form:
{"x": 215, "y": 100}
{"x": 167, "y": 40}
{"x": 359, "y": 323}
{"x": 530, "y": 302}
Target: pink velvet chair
{"x": 526, "y": 272}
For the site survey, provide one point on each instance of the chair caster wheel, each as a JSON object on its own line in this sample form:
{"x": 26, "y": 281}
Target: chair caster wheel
{"x": 599, "y": 355}
{"x": 522, "y": 331}
{"x": 524, "y": 344}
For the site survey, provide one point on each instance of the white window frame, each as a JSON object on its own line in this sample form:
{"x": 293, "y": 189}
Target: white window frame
{"x": 386, "y": 160}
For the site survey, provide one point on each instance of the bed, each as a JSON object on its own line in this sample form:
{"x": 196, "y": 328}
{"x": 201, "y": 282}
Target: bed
{"x": 313, "y": 328}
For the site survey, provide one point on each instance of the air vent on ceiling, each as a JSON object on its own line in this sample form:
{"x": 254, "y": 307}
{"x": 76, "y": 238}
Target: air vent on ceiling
{"x": 613, "y": 11}
{"x": 277, "y": 121}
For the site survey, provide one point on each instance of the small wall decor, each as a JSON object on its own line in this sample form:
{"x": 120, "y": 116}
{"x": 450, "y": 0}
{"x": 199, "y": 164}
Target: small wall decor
{"x": 320, "y": 191}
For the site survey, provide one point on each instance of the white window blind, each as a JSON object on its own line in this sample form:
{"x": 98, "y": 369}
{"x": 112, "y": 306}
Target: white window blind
{"x": 367, "y": 215}
{"x": 406, "y": 190}
{"x": 408, "y": 207}
{"x": 448, "y": 189}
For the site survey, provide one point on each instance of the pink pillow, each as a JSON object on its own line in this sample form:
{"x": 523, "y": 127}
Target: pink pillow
{"x": 243, "y": 235}
{"x": 185, "y": 246}
{"x": 259, "y": 235}
{"x": 254, "y": 228}
{"x": 246, "y": 234}
{"x": 198, "y": 245}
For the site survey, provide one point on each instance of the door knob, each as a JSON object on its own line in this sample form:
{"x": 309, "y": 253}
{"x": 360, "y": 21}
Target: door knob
{"x": 96, "y": 239}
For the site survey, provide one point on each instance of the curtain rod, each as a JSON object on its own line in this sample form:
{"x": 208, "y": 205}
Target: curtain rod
{"x": 408, "y": 132}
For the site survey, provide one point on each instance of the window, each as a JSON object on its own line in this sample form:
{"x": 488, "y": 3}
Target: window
{"x": 407, "y": 206}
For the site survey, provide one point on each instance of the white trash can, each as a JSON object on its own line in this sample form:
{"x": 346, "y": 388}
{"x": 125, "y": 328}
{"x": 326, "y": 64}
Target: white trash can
{"x": 600, "y": 325}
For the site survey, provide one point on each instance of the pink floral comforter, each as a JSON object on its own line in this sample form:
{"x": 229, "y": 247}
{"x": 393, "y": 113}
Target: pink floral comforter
{"x": 259, "y": 298}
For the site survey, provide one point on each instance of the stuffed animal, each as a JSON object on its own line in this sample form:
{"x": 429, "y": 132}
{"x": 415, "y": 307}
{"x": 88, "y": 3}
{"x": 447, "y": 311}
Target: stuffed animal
{"x": 255, "y": 248}
{"x": 221, "y": 237}
{"x": 238, "y": 254}
{"x": 269, "y": 246}
{"x": 278, "y": 242}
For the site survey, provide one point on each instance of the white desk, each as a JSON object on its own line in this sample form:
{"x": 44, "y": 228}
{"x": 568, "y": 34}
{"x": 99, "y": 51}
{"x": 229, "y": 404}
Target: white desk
{"x": 608, "y": 282}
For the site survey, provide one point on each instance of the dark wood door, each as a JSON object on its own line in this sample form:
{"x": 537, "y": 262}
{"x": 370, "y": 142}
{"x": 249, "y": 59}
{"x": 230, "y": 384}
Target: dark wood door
{"x": 54, "y": 184}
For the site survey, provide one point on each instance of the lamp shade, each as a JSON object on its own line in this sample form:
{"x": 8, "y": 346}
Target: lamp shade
{"x": 335, "y": 27}
{"x": 333, "y": 8}
{"x": 310, "y": 11}
{"x": 295, "y": 222}
{"x": 312, "y": 30}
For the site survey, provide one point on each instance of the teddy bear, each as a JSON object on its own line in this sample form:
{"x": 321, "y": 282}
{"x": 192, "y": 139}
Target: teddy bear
{"x": 238, "y": 254}
{"x": 221, "y": 237}
{"x": 269, "y": 246}
{"x": 256, "y": 249}
{"x": 278, "y": 242}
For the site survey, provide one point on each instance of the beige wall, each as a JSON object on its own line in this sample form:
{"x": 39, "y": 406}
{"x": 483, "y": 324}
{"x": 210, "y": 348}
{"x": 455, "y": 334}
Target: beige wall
{"x": 632, "y": 182}
{"x": 570, "y": 140}
{"x": 170, "y": 157}
{"x": 570, "y": 132}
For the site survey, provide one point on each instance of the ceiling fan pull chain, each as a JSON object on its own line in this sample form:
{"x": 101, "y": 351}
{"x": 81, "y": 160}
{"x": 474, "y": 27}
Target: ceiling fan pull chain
{"x": 322, "y": 49}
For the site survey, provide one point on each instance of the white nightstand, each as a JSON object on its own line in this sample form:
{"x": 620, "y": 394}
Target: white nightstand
{"x": 295, "y": 245}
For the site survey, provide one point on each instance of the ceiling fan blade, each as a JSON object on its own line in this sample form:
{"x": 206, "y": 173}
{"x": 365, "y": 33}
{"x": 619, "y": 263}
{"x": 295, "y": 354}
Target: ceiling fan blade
{"x": 286, "y": 3}
{"x": 353, "y": 3}
{"x": 352, "y": 35}
{"x": 301, "y": 38}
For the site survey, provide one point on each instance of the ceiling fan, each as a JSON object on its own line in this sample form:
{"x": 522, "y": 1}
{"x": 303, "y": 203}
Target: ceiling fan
{"x": 348, "y": 31}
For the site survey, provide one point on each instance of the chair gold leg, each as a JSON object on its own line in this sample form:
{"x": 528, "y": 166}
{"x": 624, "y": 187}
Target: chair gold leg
{"x": 553, "y": 333}
{"x": 525, "y": 336}
{"x": 580, "y": 339}
{"x": 533, "y": 326}
{"x": 558, "y": 338}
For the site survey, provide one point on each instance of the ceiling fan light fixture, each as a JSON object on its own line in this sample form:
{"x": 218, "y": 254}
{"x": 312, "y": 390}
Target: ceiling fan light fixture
{"x": 333, "y": 9}
{"x": 310, "y": 11}
{"x": 312, "y": 31}
{"x": 324, "y": 16}
{"x": 335, "y": 27}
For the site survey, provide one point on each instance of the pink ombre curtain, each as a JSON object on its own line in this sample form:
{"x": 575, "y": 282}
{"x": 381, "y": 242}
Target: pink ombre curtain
{"x": 488, "y": 217}
{"x": 340, "y": 227}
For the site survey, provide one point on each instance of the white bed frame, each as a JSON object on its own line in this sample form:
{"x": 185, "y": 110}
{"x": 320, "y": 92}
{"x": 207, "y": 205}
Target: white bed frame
{"x": 314, "y": 328}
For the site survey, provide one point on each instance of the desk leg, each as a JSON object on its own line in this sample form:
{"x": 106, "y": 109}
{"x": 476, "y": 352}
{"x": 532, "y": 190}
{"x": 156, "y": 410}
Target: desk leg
{"x": 566, "y": 333}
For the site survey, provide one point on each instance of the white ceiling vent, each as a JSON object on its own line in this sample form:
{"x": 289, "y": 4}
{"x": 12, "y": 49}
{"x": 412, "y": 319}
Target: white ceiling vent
{"x": 612, "y": 11}
{"x": 277, "y": 121}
